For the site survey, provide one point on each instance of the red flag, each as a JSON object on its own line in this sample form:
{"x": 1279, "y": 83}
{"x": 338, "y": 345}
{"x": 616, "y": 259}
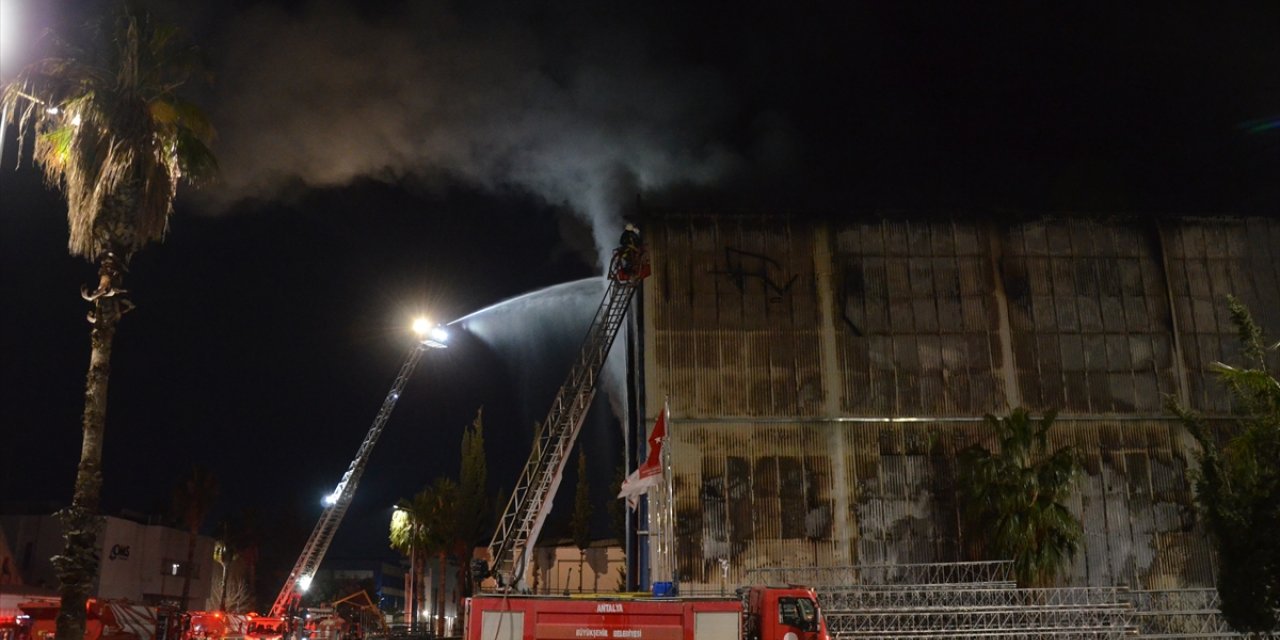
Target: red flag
{"x": 649, "y": 474}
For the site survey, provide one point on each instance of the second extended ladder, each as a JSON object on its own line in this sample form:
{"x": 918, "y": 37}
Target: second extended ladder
{"x": 510, "y": 550}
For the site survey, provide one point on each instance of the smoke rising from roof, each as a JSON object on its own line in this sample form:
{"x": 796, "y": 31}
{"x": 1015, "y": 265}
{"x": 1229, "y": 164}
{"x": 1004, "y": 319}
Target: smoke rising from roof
{"x": 576, "y": 111}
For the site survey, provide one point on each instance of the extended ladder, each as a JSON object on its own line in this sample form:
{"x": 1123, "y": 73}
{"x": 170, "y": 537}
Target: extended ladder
{"x": 517, "y": 532}
{"x": 337, "y": 502}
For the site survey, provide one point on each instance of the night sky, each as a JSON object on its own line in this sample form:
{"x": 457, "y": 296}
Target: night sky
{"x": 382, "y": 159}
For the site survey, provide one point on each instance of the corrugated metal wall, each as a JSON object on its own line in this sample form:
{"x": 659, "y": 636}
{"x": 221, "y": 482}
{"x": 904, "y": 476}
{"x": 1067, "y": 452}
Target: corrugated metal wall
{"x": 916, "y": 325}
{"x": 746, "y": 307}
{"x": 761, "y": 495}
{"x": 1089, "y": 314}
{"x": 822, "y": 376}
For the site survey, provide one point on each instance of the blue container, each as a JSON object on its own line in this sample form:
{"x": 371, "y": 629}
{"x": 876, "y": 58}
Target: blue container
{"x": 664, "y": 589}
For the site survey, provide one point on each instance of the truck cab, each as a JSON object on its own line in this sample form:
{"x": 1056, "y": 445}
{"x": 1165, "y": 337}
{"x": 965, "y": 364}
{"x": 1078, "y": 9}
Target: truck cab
{"x": 782, "y": 613}
{"x": 266, "y": 628}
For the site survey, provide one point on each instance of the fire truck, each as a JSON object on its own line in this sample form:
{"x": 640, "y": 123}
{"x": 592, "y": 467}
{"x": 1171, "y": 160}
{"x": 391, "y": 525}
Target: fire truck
{"x": 757, "y": 613}
{"x": 266, "y": 627}
{"x": 213, "y": 625}
{"x": 219, "y": 625}
{"x": 105, "y": 620}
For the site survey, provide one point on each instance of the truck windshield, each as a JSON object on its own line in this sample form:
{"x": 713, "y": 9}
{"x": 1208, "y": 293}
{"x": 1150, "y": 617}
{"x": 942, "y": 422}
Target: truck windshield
{"x": 798, "y": 612}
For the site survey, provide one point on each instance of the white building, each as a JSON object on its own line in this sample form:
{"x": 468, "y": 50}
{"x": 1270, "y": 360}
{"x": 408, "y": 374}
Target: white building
{"x": 143, "y": 563}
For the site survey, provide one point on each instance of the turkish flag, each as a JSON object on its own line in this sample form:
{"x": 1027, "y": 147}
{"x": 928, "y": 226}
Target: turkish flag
{"x": 649, "y": 474}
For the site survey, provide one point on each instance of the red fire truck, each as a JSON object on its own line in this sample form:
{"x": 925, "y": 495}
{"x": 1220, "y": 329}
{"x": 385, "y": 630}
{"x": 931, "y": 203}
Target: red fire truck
{"x": 758, "y": 613}
{"x": 106, "y": 620}
{"x": 266, "y": 627}
{"x": 214, "y": 625}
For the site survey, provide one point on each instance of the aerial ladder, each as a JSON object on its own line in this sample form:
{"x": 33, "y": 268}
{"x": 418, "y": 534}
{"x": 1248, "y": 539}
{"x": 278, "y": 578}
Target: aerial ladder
{"x": 511, "y": 549}
{"x": 336, "y": 503}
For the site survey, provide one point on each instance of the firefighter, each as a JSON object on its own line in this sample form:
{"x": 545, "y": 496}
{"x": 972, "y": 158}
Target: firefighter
{"x": 629, "y": 249}
{"x": 630, "y": 237}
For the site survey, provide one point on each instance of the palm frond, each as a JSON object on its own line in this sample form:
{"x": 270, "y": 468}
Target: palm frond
{"x": 1012, "y": 500}
{"x": 109, "y": 131}
{"x": 1248, "y": 331}
{"x": 1237, "y": 483}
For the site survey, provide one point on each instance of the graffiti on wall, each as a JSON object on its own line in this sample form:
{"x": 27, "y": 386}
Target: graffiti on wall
{"x": 742, "y": 266}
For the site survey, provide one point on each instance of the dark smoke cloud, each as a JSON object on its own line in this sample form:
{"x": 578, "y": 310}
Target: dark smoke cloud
{"x": 580, "y": 112}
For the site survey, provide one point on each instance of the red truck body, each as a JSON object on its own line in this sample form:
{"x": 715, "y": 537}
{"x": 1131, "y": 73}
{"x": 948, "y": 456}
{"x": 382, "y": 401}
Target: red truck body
{"x": 763, "y": 613}
{"x": 214, "y": 625}
{"x": 104, "y": 620}
{"x": 217, "y": 625}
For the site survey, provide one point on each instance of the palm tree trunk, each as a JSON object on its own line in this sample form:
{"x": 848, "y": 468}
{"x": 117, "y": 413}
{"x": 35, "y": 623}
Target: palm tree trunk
{"x": 444, "y": 562}
{"x": 191, "y": 558}
{"x": 77, "y": 567}
{"x": 415, "y": 589}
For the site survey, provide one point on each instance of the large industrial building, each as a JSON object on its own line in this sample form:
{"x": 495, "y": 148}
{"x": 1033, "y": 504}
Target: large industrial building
{"x": 822, "y": 376}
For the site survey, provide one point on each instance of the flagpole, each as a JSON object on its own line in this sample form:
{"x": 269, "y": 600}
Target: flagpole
{"x": 668, "y": 471}
{"x": 652, "y": 481}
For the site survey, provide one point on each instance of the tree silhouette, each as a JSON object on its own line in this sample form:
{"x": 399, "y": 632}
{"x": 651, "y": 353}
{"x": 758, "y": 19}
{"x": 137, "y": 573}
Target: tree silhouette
{"x": 113, "y": 135}
{"x": 1238, "y": 483}
{"x": 192, "y": 499}
{"x": 474, "y": 512}
{"x": 581, "y": 520}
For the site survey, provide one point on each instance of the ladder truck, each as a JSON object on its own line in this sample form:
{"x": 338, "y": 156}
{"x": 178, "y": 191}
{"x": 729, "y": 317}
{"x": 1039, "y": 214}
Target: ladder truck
{"x": 757, "y": 612}
{"x": 336, "y": 503}
{"x": 511, "y": 549}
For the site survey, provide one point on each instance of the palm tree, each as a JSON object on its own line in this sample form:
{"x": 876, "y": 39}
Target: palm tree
{"x": 111, "y": 132}
{"x": 441, "y": 525}
{"x": 408, "y": 536}
{"x": 1012, "y": 501}
{"x": 426, "y": 526}
{"x": 192, "y": 500}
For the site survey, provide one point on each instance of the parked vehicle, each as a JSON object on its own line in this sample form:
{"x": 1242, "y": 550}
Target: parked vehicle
{"x": 757, "y": 613}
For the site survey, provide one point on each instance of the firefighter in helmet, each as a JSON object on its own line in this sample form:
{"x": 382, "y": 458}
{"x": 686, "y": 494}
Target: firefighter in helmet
{"x": 629, "y": 249}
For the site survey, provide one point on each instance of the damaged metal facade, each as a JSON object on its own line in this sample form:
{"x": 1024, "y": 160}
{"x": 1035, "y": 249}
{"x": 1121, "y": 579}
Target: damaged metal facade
{"x": 823, "y": 375}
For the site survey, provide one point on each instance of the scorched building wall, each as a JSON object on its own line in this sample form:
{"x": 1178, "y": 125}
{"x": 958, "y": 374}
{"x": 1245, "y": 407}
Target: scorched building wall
{"x": 823, "y": 375}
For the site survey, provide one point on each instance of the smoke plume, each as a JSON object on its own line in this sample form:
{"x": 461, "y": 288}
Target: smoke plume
{"x": 577, "y": 111}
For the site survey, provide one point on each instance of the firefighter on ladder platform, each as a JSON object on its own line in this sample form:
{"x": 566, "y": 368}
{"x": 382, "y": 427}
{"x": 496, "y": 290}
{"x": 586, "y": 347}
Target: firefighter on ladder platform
{"x": 629, "y": 259}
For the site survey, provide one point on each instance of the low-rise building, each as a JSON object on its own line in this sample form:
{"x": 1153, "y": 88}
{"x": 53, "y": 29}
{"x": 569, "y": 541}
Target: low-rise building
{"x": 140, "y": 562}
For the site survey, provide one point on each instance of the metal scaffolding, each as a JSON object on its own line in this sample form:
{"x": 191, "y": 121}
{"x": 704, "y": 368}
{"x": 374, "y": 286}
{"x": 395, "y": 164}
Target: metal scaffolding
{"x": 859, "y": 599}
{"x": 952, "y": 574}
{"x": 980, "y": 600}
{"x": 955, "y": 599}
{"x": 988, "y": 612}
{"x": 1183, "y": 613}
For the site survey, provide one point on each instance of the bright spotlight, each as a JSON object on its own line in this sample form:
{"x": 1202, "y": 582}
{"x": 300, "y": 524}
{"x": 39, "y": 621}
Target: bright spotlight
{"x": 304, "y": 583}
{"x": 421, "y": 326}
{"x": 435, "y": 338}
{"x": 330, "y": 499}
